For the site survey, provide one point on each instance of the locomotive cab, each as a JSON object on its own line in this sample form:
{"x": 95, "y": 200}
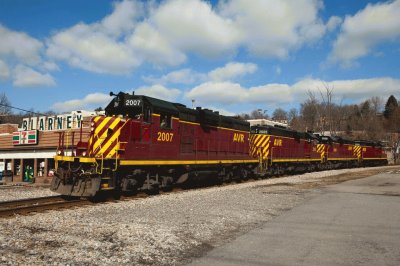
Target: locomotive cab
{"x": 128, "y": 106}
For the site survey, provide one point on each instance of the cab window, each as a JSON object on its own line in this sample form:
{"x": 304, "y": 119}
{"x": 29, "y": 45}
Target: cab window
{"x": 165, "y": 121}
{"x": 147, "y": 114}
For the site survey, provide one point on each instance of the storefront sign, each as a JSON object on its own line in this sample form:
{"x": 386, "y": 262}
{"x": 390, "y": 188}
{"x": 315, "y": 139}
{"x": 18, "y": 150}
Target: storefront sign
{"x": 25, "y": 137}
{"x": 48, "y": 123}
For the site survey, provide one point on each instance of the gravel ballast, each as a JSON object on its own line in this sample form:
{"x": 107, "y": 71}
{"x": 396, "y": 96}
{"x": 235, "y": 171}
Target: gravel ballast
{"x": 160, "y": 230}
{"x": 9, "y": 193}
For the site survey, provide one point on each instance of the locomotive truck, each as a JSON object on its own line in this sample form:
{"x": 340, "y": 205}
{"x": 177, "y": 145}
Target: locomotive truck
{"x": 146, "y": 144}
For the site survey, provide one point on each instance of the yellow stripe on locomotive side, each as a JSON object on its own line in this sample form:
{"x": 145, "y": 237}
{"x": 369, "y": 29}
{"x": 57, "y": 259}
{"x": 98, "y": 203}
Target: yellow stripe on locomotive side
{"x": 294, "y": 160}
{"x": 170, "y": 162}
{"x": 197, "y": 124}
{"x": 187, "y": 122}
{"x": 178, "y": 162}
{"x": 341, "y": 159}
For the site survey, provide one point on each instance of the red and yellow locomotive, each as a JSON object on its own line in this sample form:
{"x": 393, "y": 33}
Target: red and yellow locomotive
{"x": 281, "y": 150}
{"x": 146, "y": 144}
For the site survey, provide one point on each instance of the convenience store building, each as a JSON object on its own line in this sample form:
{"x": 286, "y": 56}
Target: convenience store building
{"x": 27, "y": 152}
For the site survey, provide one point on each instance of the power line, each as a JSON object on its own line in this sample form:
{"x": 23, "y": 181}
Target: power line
{"x": 9, "y": 106}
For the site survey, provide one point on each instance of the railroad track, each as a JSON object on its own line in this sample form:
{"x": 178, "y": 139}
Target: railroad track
{"x": 37, "y": 205}
{"x": 34, "y": 205}
{"x": 43, "y": 204}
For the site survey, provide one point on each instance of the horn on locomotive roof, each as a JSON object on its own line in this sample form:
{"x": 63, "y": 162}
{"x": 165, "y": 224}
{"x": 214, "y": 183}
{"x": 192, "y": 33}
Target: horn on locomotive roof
{"x": 113, "y": 94}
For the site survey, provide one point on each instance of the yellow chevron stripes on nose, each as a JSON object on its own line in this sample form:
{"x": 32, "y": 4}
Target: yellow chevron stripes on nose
{"x": 320, "y": 147}
{"x": 260, "y": 145}
{"x": 102, "y": 124}
{"x": 94, "y": 121}
{"x": 357, "y": 151}
{"x": 107, "y": 145}
{"x": 100, "y": 139}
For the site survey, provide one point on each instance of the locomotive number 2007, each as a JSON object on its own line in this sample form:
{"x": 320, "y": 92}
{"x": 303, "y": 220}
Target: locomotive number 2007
{"x": 166, "y": 137}
{"x": 130, "y": 102}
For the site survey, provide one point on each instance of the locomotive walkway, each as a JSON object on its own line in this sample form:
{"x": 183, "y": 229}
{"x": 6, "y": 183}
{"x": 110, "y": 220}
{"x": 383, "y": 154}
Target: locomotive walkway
{"x": 352, "y": 223}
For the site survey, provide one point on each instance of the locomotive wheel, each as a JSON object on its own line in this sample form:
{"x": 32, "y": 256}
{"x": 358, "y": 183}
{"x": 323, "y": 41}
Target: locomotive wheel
{"x": 244, "y": 174}
{"x": 154, "y": 190}
{"x": 100, "y": 196}
{"x": 116, "y": 194}
{"x": 167, "y": 183}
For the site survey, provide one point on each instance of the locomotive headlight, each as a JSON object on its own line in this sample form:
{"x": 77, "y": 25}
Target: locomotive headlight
{"x": 59, "y": 152}
{"x": 92, "y": 129}
{"x": 92, "y": 124}
{"x": 84, "y": 154}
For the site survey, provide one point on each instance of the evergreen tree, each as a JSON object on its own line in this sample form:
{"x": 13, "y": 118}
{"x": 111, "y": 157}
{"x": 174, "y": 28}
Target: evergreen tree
{"x": 390, "y": 107}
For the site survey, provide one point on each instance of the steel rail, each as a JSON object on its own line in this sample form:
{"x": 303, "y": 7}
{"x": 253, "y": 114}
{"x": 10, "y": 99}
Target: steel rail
{"x": 34, "y": 205}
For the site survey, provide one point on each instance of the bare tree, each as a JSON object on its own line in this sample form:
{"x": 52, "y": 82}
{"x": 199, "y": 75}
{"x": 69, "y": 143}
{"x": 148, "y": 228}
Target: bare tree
{"x": 5, "y": 105}
{"x": 244, "y": 116}
{"x": 327, "y": 107}
{"x": 279, "y": 115}
{"x": 377, "y": 104}
{"x": 5, "y": 108}
{"x": 310, "y": 113}
{"x": 258, "y": 114}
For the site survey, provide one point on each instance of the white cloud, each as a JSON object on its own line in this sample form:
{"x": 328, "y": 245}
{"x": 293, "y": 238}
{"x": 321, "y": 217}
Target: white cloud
{"x": 86, "y": 47}
{"x": 193, "y": 26}
{"x": 4, "y": 71}
{"x": 159, "y": 91}
{"x": 273, "y": 28}
{"x": 27, "y": 77}
{"x": 89, "y": 102}
{"x": 18, "y": 51}
{"x": 19, "y": 45}
{"x": 360, "y": 33}
{"x": 182, "y": 76}
{"x": 232, "y": 70}
{"x": 166, "y": 33}
{"x": 100, "y": 47}
{"x": 221, "y": 111}
{"x": 217, "y": 92}
{"x": 273, "y": 93}
{"x": 151, "y": 46}
{"x": 227, "y": 93}
{"x": 354, "y": 90}
{"x": 333, "y": 23}
{"x": 123, "y": 18}
{"x": 50, "y": 66}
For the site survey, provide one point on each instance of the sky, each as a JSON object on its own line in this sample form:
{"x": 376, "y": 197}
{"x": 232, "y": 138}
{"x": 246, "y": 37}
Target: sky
{"x": 234, "y": 56}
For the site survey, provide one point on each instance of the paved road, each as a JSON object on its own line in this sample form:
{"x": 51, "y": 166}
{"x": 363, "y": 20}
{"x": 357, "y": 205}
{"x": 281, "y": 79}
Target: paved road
{"x": 352, "y": 223}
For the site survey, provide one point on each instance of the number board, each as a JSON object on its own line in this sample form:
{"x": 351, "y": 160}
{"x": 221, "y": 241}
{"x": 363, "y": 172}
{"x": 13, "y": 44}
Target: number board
{"x": 133, "y": 102}
{"x": 29, "y": 137}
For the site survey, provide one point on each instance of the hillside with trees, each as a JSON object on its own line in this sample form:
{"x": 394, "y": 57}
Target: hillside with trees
{"x": 369, "y": 119}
